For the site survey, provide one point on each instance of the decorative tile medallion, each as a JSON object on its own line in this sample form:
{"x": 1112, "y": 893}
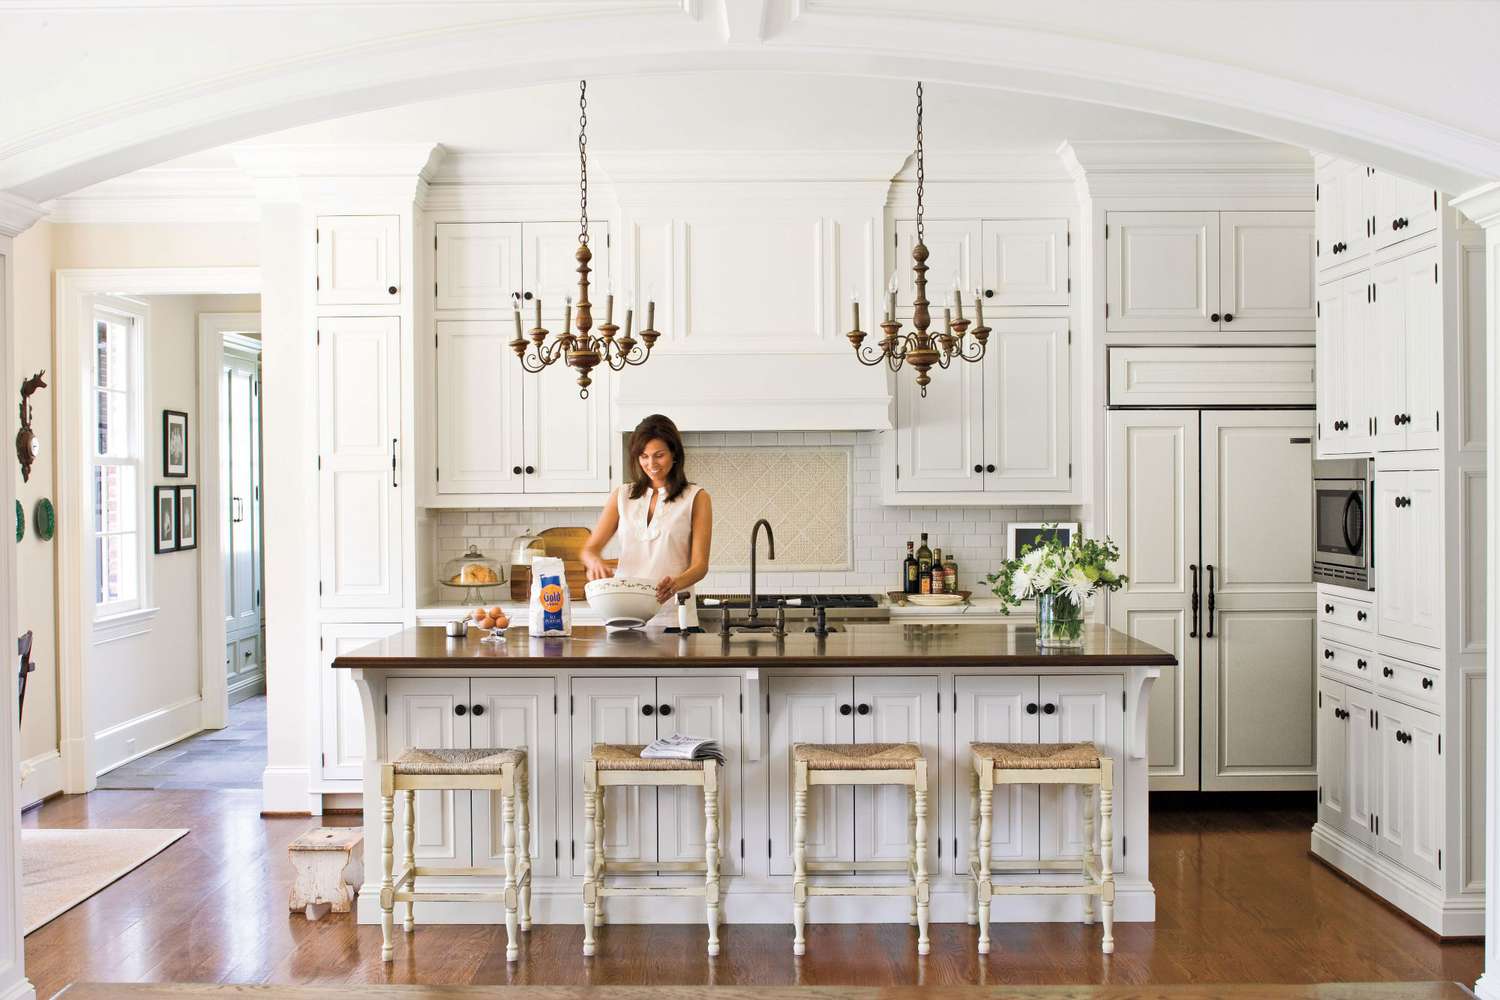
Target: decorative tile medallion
{"x": 803, "y": 491}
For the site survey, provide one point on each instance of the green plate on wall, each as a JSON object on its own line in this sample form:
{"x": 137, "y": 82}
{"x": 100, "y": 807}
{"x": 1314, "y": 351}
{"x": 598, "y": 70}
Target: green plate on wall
{"x": 44, "y": 519}
{"x": 20, "y": 521}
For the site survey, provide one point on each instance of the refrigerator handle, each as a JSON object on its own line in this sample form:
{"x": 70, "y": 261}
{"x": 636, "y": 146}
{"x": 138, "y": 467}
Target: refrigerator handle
{"x": 1210, "y": 633}
{"x": 1194, "y": 568}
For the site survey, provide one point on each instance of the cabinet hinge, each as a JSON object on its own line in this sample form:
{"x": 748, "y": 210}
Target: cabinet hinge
{"x": 1070, "y": 470}
{"x": 437, "y": 473}
{"x": 434, "y": 241}
{"x": 1106, "y": 230}
{"x": 317, "y": 236}
{"x": 1070, "y": 284}
{"x": 955, "y": 847}
{"x": 572, "y": 850}
{"x": 940, "y": 703}
{"x": 1070, "y": 329}
{"x": 1320, "y": 699}
{"x": 570, "y": 704}
{"x": 608, "y": 241}
{"x": 1320, "y": 793}
{"x": 434, "y": 340}
{"x": 554, "y": 704}
{"x": 940, "y": 847}
{"x": 318, "y": 282}
{"x": 1106, "y": 310}
{"x": 318, "y": 338}
{"x": 320, "y": 643}
{"x": 387, "y": 708}
{"x": 1437, "y": 419}
{"x": 1434, "y": 273}
{"x": 742, "y": 847}
{"x": 434, "y": 289}
{"x": 1068, "y": 237}
{"x": 1122, "y": 701}
{"x": 1440, "y": 742}
{"x": 556, "y": 847}
{"x": 1317, "y": 191}
{"x": 1440, "y": 859}
{"x": 1434, "y": 199}
{"x": 320, "y": 463}
{"x": 768, "y": 847}
{"x": 1318, "y": 309}
{"x": 257, "y": 596}
{"x": 742, "y": 704}
{"x": 323, "y": 761}
{"x": 768, "y": 703}
{"x": 1124, "y": 845}
{"x": 320, "y": 588}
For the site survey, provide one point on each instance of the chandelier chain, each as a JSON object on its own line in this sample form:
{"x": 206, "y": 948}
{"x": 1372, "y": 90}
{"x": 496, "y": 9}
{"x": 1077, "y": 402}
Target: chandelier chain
{"x": 583, "y": 162}
{"x": 921, "y": 166}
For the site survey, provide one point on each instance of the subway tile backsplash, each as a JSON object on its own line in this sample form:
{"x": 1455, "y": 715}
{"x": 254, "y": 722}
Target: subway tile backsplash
{"x": 976, "y": 536}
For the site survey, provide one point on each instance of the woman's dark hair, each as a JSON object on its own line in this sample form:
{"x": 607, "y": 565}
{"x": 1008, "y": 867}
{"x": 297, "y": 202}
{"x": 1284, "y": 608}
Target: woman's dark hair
{"x": 657, "y": 428}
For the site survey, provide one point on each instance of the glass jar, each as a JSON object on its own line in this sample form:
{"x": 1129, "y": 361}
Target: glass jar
{"x": 1059, "y": 621}
{"x": 472, "y": 571}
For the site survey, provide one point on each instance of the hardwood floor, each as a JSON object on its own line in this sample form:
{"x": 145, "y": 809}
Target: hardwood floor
{"x": 228, "y": 758}
{"x": 1239, "y": 901}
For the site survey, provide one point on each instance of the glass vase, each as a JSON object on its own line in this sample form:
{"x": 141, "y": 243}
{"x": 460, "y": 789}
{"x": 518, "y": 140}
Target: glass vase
{"x": 1059, "y": 621}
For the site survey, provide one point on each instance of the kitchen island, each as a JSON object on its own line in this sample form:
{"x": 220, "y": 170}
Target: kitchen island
{"x": 940, "y": 686}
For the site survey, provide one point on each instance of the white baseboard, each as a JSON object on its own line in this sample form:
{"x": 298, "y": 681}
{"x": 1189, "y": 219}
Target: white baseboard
{"x": 286, "y": 790}
{"x": 14, "y": 985}
{"x": 1448, "y": 916}
{"x": 44, "y": 777}
{"x": 1488, "y": 987}
{"x": 77, "y": 778}
{"x": 247, "y": 687}
{"x": 134, "y": 738}
{"x": 560, "y": 901}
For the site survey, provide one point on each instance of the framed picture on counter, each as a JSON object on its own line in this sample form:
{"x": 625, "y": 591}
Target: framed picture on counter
{"x": 1026, "y": 533}
{"x": 187, "y": 517}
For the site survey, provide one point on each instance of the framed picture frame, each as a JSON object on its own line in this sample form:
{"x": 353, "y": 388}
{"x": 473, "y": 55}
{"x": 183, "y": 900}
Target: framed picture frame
{"x": 174, "y": 444}
{"x": 187, "y": 518}
{"x": 1030, "y": 532}
{"x": 165, "y": 520}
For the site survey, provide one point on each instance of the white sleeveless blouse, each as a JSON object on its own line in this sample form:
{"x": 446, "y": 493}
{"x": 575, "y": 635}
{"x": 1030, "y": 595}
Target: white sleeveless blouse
{"x": 664, "y": 547}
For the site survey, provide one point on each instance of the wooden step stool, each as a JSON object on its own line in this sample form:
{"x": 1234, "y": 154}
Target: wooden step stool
{"x": 329, "y": 870}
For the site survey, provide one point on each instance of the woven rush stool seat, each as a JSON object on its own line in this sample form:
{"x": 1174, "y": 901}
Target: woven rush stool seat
{"x": 627, "y": 757}
{"x": 502, "y": 770}
{"x": 456, "y": 761}
{"x": 620, "y": 765}
{"x": 1002, "y": 764}
{"x": 1038, "y": 756}
{"x": 856, "y": 756}
{"x": 860, "y": 764}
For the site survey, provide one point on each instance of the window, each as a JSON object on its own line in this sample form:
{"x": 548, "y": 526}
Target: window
{"x": 118, "y": 474}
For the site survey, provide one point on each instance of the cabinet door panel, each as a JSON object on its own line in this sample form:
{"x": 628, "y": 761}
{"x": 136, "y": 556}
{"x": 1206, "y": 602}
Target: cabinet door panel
{"x": 940, "y": 437}
{"x": 1425, "y": 823}
{"x": 993, "y": 710}
{"x": 704, "y": 707}
{"x": 421, "y": 714}
{"x": 567, "y": 438}
{"x": 1025, "y": 262}
{"x": 478, "y": 264}
{"x": 1333, "y": 387}
{"x": 1026, "y": 371}
{"x": 1422, "y": 326}
{"x": 608, "y": 710}
{"x": 1088, "y": 708}
{"x": 1153, "y": 516}
{"x": 1388, "y": 315}
{"x": 901, "y": 710}
{"x": 1402, "y": 209}
{"x": 1395, "y": 558}
{"x": 1397, "y": 784}
{"x": 1424, "y": 520}
{"x": 359, "y": 421}
{"x": 1267, "y": 265}
{"x": 1162, "y": 271}
{"x": 359, "y": 260}
{"x": 518, "y": 712}
{"x": 550, "y": 272}
{"x": 953, "y": 248}
{"x": 1358, "y": 209}
{"x": 479, "y": 421}
{"x": 1331, "y": 193}
{"x": 806, "y": 710}
{"x": 1356, "y": 362}
{"x": 1363, "y": 765}
{"x": 343, "y": 715}
{"x": 1333, "y": 756}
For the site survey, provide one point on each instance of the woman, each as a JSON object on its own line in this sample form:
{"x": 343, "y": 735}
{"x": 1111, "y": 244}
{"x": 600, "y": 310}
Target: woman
{"x": 666, "y": 523}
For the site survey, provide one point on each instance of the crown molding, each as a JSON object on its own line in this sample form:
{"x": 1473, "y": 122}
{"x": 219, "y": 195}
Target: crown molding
{"x": 157, "y": 195}
{"x": 741, "y": 166}
{"x": 1173, "y": 167}
{"x": 349, "y": 172}
{"x": 18, "y": 214}
{"x": 1481, "y": 204}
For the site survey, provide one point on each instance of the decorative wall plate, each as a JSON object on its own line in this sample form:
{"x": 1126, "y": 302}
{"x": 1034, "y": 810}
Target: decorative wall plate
{"x": 20, "y": 521}
{"x": 44, "y": 519}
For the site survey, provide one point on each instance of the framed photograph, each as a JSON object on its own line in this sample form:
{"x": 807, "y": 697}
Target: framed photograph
{"x": 187, "y": 517}
{"x": 174, "y": 444}
{"x": 1032, "y": 532}
{"x": 166, "y": 519}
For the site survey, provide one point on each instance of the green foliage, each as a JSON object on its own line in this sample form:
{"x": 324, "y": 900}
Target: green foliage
{"x": 1072, "y": 572}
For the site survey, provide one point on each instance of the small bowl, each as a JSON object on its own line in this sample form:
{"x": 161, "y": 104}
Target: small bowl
{"x": 623, "y": 602}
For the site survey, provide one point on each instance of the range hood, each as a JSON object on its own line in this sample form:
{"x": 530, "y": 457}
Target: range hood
{"x": 755, "y": 391}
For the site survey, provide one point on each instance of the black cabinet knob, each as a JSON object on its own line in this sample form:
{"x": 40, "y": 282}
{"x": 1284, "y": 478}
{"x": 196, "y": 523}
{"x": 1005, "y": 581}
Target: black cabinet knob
{"x": 989, "y": 468}
{"x": 1395, "y": 224}
{"x": 527, "y": 296}
{"x": 477, "y": 710}
{"x": 1328, "y": 609}
{"x": 1229, "y": 317}
{"x": 1214, "y": 318}
{"x": 989, "y": 293}
{"x": 1360, "y": 615}
{"x": 516, "y": 470}
{"x": 648, "y": 709}
{"x": 978, "y": 468}
{"x": 1426, "y": 683}
{"x": 1387, "y": 672}
{"x": 530, "y": 469}
{"x": 846, "y": 709}
{"x": 460, "y": 709}
{"x": 1049, "y": 709}
{"x": 1327, "y": 654}
{"x": 392, "y": 289}
{"x": 664, "y": 710}
{"x": 863, "y": 709}
{"x": 1032, "y": 708}
{"x": 1361, "y": 664}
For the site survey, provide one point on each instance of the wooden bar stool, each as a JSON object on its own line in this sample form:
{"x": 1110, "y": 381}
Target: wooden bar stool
{"x": 613, "y": 764}
{"x": 860, "y": 764}
{"x": 1043, "y": 764}
{"x": 490, "y": 770}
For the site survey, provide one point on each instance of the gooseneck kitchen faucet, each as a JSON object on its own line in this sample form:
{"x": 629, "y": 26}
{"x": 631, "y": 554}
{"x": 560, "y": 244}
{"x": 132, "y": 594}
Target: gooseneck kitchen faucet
{"x": 771, "y": 554}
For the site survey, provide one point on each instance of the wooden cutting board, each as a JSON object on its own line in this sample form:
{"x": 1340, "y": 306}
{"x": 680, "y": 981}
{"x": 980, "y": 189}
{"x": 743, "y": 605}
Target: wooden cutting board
{"x": 564, "y": 544}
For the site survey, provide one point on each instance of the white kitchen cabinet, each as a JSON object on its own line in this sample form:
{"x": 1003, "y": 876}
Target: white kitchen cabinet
{"x": 1209, "y": 271}
{"x": 1409, "y": 825}
{"x": 1345, "y": 398}
{"x": 1402, "y": 208}
{"x": 359, "y": 439}
{"x": 1025, "y": 262}
{"x": 1363, "y": 769}
{"x": 1408, "y": 316}
{"x": 953, "y": 252}
{"x": 940, "y": 437}
{"x": 895, "y": 710}
{"x": 996, "y": 708}
{"x": 1409, "y": 541}
{"x": 550, "y": 271}
{"x": 1088, "y": 708}
{"x": 1333, "y": 755}
{"x": 644, "y": 823}
{"x": 813, "y": 709}
{"x": 359, "y": 260}
{"x": 566, "y": 440}
{"x": 1345, "y": 210}
{"x": 343, "y": 729}
{"x": 432, "y": 712}
{"x": 478, "y": 265}
{"x": 516, "y": 712}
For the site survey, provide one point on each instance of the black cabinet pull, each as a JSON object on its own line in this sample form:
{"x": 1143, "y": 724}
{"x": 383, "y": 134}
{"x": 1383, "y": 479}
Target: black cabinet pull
{"x": 1387, "y": 672}
{"x": 527, "y": 296}
{"x": 516, "y": 470}
{"x": 392, "y": 289}
{"x": 1360, "y": 615}
{"x": 1328, "y": 609}
{"x": 989, "y": 468}
{"x": 1210, "y": 633}
{"x": 1395, "y": 224}
{"x": 989, "y": 293}
{"x": 978, "y": 468}
{"x": 1049, "y": 709}
{"x": 846, "y": 709}
{"x": 1194, "y": 603}
{"x": 1361, "y": 664}
{"x": 648, "y": 709}
{"x": 1229, "y": 317}
{"x": 1327, "y": 654}
{"x": 863, "y": 709}
{"x": 664, "y": 710}
{"x": 477, "y": 710}
{"x": 1427, "y": 683}
{"x": 460, "y": 709}
{"x": 1213, "y": 318}
{"x": 1031, "y": 708}
{"x": 530, "y": 469}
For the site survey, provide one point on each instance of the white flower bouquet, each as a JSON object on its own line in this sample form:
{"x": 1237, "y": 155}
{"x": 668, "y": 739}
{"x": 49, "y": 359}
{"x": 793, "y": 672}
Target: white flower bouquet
{"x": 1061, "y": 578}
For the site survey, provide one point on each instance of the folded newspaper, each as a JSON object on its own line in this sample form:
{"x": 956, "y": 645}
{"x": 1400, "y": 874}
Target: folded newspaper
{"x": 679, "y": 747}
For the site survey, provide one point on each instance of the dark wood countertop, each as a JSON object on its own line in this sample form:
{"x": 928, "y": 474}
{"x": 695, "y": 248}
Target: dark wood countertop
{"x": 862, "y": 646}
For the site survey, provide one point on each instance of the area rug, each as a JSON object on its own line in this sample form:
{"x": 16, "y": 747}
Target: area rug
{"x": 62, "y": 868}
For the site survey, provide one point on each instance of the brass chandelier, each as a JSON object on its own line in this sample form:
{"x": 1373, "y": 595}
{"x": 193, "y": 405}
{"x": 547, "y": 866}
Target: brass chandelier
{"x": 920, "y": 349}
{"x": 584, "y": 351}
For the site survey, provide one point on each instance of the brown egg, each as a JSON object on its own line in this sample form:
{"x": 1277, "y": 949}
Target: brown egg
{"x": 484, "y": 622}
{"x": 497, "y": 612}
{"x": 479, "y": 613}
{"x": 502, "y": 622}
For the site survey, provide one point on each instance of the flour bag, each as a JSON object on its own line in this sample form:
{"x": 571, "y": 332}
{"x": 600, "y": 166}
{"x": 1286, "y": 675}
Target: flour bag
{"x": 551, "y": 605}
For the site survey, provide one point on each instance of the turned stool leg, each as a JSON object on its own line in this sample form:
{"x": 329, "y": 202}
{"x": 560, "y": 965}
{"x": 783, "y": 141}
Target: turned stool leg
{"x": 924, "y": 943}
{"x": 508, "y": 831}
{"x": 973, "y": 914}
{"x": 711, "y": 852}
{"x": 911, "y": 851}
{"x": 1107, "y": 852}
{"x": 590, "y": 780}
{"x": 799, "y": 860}
{"x": 719, "y": 869}
{"x": 409, "y": 860}
{"x": 387, "y": 862}
{"x": 523, "y": 844}
{"x": 601, "y": 796}
{"x": 1088, "y": 848}
{"x": 982, "y": 884}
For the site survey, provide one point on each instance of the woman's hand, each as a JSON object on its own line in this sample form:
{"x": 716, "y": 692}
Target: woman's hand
{"x": 597, "y": 570}
{"x": 665, "y": 589}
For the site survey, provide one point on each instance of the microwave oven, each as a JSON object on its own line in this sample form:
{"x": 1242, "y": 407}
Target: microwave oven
{"x": 1343, "y": 522}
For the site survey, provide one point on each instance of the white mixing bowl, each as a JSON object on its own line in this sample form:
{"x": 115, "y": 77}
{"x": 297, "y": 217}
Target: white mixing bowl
{"x": 623, "y": 602}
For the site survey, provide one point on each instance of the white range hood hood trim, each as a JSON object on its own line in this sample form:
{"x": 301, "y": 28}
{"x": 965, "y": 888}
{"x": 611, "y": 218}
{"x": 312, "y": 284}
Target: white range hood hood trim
{"x": 751, "y": 391}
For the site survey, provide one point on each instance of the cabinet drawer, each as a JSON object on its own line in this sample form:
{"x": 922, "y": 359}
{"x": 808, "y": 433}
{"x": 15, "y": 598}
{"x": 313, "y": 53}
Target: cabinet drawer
{"x": 247, "y": 655}
{"x": 1345, "y": 660}
{"x": 1410, "y": 682}
{"x": 1346, "y": 611}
